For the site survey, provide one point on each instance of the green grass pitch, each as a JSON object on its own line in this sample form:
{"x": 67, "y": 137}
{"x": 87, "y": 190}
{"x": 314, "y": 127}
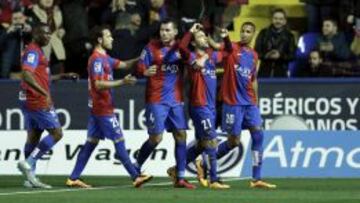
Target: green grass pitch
{"x": 119, "y": 190}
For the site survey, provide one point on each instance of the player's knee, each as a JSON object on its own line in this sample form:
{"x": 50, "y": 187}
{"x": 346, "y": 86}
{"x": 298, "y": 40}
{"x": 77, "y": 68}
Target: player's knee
{"x": 119, "y": 139}
{"x": 92, "y": 140}
{"x": 255, "y": 128}
{"x": 156, "y": 139}
{"x": 209, "y": 143}
{"x": 234, "y": 141}
{"x": 33, "y": 139}
{"x": 180, "y": 136}
{"x": 57, "y": 134}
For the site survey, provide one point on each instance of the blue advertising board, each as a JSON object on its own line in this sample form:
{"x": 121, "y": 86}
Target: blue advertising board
{"x": 308, "y": 154}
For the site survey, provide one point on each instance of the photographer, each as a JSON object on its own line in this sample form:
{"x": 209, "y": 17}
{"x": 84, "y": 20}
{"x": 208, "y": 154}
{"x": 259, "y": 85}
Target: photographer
{"x": 12, "y": 40}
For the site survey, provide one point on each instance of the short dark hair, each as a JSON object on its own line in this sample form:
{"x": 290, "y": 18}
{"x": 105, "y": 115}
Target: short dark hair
{"x": 17, "y": 10}
{"x": 316, "y": 50}
{"x": 332, "y": 20}
{"x": 249, "y": 24}
{"x": 170, "y": 20}
{"x": 37, "y": 29}
{"x": 96, "y": 33}
{"x": 279, "y": 10}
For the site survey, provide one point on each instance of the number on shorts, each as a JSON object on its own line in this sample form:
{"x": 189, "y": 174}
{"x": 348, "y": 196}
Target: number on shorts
{"x": 152, "y": 118}
{"x": 230, "y": 118}
{"x": 114, "y": 122}
{"x": 206, "y": 123}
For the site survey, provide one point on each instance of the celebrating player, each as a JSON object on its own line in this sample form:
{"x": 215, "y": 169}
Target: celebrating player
{"x": 239, "y": 94}
{"x": 202, "y": 72}
{"x": 161, "y": 63}
{"x": 102, "y": 121}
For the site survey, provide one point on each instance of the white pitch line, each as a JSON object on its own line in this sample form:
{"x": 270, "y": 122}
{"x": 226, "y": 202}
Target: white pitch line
{"x": 103, "y": 188}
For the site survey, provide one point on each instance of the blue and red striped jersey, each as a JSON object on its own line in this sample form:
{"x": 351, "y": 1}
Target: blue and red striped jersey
{"x": 35, "y": 62}
{"x": 203, "y": 81}
{"x": 100, "y": 67}
{"x": 166, "y": 86}
{"x": 240, "y": 64}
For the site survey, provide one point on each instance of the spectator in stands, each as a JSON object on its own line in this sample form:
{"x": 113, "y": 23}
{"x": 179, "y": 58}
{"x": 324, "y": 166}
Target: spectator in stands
{"x": 117, "y": 10}
{"x": 355, "y": 45}
{"x": 318, "y": 10}
{"x": 8, "y": 6}
{"x": 188, "y": 12}
{"x": 76, "y": 39}
{"x": 315, "y": 62}
{"x": 45, "y": 11}
{"x": 158, "y": 11}
{"x": 11, "y": 42}
{"x": 350, "y": 12}
{"x": 355, "y": 49}
{"x": 332, "y": 44}
{"x": 346, "y": 17}
{"x": 275, "y": 46}
{"x": 229, "y": 9}
{"x": 130, "y": 38}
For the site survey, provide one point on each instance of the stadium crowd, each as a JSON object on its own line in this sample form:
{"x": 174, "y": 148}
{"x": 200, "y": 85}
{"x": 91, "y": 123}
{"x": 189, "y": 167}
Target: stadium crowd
{"x": 329, "y": 48}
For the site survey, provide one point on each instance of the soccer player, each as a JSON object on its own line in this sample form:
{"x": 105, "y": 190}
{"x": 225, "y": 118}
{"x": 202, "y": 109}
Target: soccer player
{"x": 37, "y": 105}
{"x": 161, "y": 63}
{"x": 102, "y": 121}
{"x": 240, "y": 97}
{"x": 202, "y": 73}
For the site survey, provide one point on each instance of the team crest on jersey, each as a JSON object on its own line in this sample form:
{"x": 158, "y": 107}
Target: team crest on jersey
{"x": 31, "y": 58}
{"x": 97, "y": 67}
{"x": 143, "y": 55}
{"x": 177, "y": 54}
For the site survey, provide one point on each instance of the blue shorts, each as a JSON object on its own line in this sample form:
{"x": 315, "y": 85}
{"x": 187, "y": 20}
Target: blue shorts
{"x": 204, "y": 119}
{"x": 236, "y": 118}
{"x": 160, "y": 117}
{"x": 41, "y": 119}
{"x": 102, "y": 127}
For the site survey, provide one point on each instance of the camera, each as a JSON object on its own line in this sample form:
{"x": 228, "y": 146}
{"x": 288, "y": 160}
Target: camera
{"x": 19, "y": 27}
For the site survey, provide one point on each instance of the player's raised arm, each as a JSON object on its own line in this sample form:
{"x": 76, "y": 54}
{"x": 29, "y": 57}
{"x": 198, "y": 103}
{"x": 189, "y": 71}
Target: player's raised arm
{"x": 185, "y": 41}
{"x": 225, "y": 35}
{"x": 215, "y": 45}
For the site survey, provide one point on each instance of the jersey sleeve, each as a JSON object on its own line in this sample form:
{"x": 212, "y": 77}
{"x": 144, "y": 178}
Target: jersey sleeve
{"x": 97, "y": 69}
{"x": 255, "y": 66}
{"x": 183, "y": 48}
{"x": 114, "y": 63}
{"x": 30, "y": 61}
{"x": 145, "y": 61}
{"x": 217, "y": 56}
{"x": 192, "y": 59}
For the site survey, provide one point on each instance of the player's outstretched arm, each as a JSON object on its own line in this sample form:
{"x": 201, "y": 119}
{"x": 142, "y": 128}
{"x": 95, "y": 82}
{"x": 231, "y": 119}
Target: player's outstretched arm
{"x": 103, "y": 84}
{"x": 71, "y": 76}
{"x": 150, "y": 71}
{"x": 128, "y": 63}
